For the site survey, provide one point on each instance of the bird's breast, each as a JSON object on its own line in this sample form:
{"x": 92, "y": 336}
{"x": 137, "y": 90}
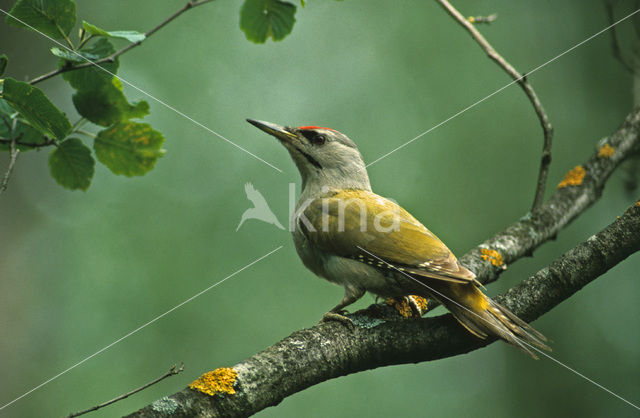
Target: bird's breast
{"x": 345, "y": 271}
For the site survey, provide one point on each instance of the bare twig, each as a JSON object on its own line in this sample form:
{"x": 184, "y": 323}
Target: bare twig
{"x": 615, "y": 44}
{"x": 46, "y": 143}
{"x": 172, "y": 371}
{"x": 521, "y": 79}
{"x": 330, "y": 350}
{"x": 13, "y": 156}
{"x": 112, "y": 57}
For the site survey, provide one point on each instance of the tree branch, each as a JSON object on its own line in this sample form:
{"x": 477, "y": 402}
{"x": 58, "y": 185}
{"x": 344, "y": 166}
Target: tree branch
{"x": 563, "y": 206}
{"x": 190, "y": 5}
{"x": 521, "y": 79}
{"x": 329, "y": 350}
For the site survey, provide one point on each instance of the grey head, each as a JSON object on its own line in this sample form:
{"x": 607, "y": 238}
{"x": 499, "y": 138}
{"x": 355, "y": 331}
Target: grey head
{"x": 326, "y": 158}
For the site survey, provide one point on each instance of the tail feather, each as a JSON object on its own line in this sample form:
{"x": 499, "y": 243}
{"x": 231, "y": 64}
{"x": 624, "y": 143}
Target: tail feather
{"x": 483, "y": 316}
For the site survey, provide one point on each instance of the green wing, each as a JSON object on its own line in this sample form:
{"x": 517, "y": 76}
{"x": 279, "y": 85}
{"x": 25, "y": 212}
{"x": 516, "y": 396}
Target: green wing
{"x": 364, "y": 226}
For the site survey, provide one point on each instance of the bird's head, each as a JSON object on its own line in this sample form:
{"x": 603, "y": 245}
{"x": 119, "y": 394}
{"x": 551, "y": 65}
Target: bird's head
{"x": 324, "y": 156}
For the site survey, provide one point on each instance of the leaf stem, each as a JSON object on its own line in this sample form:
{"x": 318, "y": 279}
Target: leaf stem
{"x": 86, "y": 133}
{"x": 66, "y": 37}
{"x": 78, "y": 124}
{"x": 84, "y": 40}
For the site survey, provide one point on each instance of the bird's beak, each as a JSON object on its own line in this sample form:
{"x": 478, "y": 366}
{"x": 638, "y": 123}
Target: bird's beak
{"x": 278, "y": 131}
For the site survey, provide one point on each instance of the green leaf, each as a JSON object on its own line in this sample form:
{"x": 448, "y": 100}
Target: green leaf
{"x": 23, "y": 131}
{"x": 129, "y": 35}
{"x": 129, "y": 148}
{"x": 262, "y": 19}
{"x": 54, "y": 18}
{"x": 108, "y": 105}
{"x": 36, "y": 108}
{"x": 71, "y": 164}
{"x": 91, "y": 77}
{"x": 76, "y": 56}
{"x": 6, "y": 109}
{"x": 3, "y": 63}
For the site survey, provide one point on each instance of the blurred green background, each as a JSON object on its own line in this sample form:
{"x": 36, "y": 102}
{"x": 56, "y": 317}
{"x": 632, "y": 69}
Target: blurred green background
{"x": 80, "y": 270}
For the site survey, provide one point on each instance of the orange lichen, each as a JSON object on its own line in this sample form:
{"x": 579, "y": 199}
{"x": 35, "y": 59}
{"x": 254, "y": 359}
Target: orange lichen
{"x": 420, "y": 302}
{"x": 402, "y": 305}
{"x": 606, "y": 151}
{"x": 220, "y": 380}
{"x": 493, "y": 256}
{"x": 471, "y": 19}
{"x": 574, "y": 177}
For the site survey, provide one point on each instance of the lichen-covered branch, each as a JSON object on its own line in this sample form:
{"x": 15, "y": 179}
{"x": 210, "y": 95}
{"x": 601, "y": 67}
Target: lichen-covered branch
{"x": 581, "y": 187}
{"x": 521, "y": 79}
{"x": 330, "y": 350}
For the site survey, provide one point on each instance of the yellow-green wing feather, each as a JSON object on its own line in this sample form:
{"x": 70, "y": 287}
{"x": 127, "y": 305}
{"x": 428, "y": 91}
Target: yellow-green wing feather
{"x": 346, "y": 221}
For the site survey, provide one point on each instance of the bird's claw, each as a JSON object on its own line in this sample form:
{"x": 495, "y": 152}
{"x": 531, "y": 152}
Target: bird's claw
{"x": 340, "y": 317}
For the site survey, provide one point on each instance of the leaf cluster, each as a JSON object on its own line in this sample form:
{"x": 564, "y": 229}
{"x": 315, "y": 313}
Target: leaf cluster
{"x": 30, "y": 120}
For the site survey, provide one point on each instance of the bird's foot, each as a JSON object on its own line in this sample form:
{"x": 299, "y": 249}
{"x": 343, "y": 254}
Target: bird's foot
{"x": 340, "y": 317}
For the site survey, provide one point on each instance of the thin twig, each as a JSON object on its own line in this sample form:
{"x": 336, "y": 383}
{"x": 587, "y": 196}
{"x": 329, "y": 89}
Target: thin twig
{"x": 13, "y": 156}
{"x": 47, "y": 142}
{"x": 615, "y": 44}
{"x": 112, "y": 57}
{"x": 547, "y": 129}
{"x": 172, "y": 371}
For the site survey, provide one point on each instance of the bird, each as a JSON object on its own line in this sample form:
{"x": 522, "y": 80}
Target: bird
{"x": 345, "y": 233}
{"x": 260, "y": 209}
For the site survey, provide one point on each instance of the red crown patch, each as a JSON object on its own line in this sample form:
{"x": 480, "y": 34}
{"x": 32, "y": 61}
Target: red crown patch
{"x": 315, "y": 127}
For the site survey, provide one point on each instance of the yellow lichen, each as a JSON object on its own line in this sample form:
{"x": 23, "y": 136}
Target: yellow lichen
{"x": 492, "y": 255}
{"x": 606, "y": 151}
{"x": 400, "y": 305}
{"x": 420, "y": 302}
{"x": 574, "y": 177}
{"x": 220, "y": 380}
{"x": 404, "y": 308}
{"x": 471, "y": 19}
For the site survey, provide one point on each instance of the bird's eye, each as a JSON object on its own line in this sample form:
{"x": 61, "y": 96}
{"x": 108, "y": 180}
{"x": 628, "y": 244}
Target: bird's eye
{"x": 314, "y": 137}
